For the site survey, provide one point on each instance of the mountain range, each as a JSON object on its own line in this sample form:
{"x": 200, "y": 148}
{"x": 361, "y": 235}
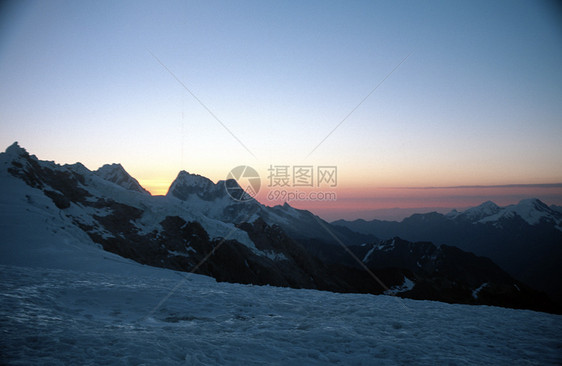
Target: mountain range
{"x": 197, "y": 227}
{"x": 524, "y": 239}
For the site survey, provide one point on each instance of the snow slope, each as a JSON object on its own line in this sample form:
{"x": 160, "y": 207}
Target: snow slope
{"x": 110, "y": 181}
{"x": 117, "y": 174}
{"x": 51, "y": 316}
{"x": 532, "y": 211}
{"x": 486, "y": 209}
{"x": 212, "y": 200}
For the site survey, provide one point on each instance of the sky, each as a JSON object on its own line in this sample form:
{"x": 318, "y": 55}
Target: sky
{"x": 417, "y": 104}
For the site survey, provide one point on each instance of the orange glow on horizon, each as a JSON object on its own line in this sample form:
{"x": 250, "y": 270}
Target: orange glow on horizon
{"x": 355, "y": 200}
{"x": 360, "y": 203}
{"x": 156, "y": 187}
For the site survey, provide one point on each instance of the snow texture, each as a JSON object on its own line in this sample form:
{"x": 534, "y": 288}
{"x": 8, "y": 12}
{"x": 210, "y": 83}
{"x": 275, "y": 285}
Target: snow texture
{"x": 191, "y": 180}
{"x": 102, "y": 183}
{"x": 368, "y": 254}
{"x": 407, "y": 285}
{"x": 486, "y": 209}
{"x": 480, "y": 288}
{"x": 532, "y": 211}
{"x": 51, "y": 316}
{"x": 384, "y": 246}
{"x": 117, "y": 174}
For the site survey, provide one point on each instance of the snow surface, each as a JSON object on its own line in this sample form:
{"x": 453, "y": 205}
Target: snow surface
{"x": 407, "y": 285}
{"x": 51, "y": 316}
{"x": 531, "y": 210}
{"x": 368, "y": 254}
{"x": 274, "y": 256}
{"x": 384, "y": 246}
{"x": 486, "y": 209}
{"x": 117, "y": 174}
{"x": 191, "y": 180}
{"x": 480, "y": 288}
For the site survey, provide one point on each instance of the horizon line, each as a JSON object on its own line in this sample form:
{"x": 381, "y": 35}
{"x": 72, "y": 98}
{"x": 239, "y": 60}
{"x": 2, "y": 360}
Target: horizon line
{"x": 524, "y": 185}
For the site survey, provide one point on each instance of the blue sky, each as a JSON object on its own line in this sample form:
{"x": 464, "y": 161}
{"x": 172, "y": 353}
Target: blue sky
{"x": 477, "y": 102}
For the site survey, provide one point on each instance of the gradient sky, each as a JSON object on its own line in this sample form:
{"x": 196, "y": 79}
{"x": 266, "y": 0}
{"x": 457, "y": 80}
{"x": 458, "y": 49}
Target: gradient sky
{"x": 478, "y": 100}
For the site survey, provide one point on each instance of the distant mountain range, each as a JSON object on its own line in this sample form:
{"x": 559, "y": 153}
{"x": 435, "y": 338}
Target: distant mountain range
{"x": 198, "y": 227}
{"x": 524, "y": 239}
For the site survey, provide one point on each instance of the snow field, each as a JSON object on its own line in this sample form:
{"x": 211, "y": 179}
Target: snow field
{"x": 53, "y": 316}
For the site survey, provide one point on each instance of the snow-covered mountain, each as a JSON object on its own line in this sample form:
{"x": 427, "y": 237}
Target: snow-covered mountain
{"x": 477, "y": 213}
{"x": 116, "y": 173}
{"x": 212, "y": 200}
{"x": 197, "y": 227}
{"x": 443, "y": 273}
{"x": 159, "y": 231}
{"x": 525, "y": 239}
{"x": 533, "y": 211}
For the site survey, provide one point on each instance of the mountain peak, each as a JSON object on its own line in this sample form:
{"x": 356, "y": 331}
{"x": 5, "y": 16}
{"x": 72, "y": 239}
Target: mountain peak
{"x": 481, "y": 211}
{"x": 533, "y": 203}
{"x": 111, "y": 169}
{"x": 489, "y": 203}
{"x": 117, "y": 174}
{"x": 15, "y": 150}
{"x": 534, "y": 211}
{"x": 190, "y": 179}
{"x": 531, "y": 210}
{"x": 113, "y": 166}
{"x": 187, "y": 184}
